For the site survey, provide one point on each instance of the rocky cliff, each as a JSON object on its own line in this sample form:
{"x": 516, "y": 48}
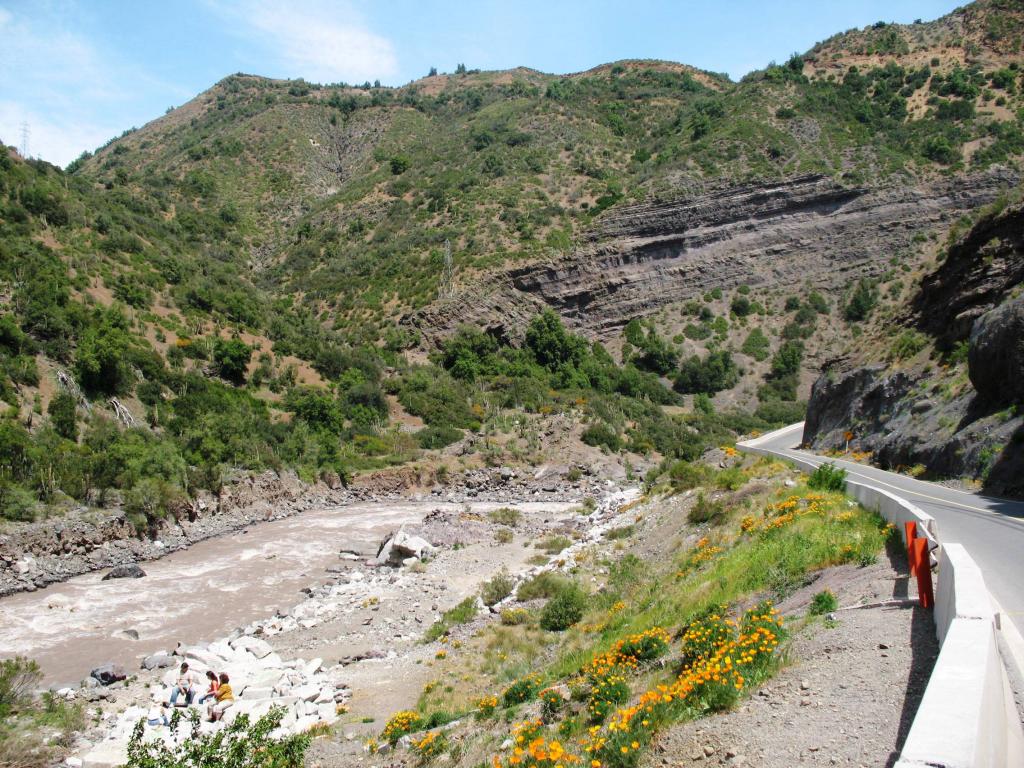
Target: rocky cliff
{"x": 955, "y": 415}
{"x": 640, "y": 258}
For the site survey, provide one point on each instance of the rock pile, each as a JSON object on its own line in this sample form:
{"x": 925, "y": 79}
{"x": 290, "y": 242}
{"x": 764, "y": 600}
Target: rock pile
{"x": 260, "y": 678}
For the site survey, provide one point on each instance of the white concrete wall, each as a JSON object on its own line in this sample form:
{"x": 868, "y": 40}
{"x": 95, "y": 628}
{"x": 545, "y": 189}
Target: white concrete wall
{"x": 967, "y": 717}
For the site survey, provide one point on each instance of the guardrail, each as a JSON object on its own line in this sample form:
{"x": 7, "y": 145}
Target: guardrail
{"x": 967, "y": 717}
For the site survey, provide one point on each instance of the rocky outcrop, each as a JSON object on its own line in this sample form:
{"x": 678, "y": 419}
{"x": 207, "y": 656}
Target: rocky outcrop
{"x": 805, "y": 230}
{"x": 978, "y": 272}
{"x": 917, "y": 416}
{"x": 995, "y": 356}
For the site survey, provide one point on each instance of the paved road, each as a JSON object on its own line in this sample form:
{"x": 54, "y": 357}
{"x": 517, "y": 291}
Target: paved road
{"x": 991, "y": 529}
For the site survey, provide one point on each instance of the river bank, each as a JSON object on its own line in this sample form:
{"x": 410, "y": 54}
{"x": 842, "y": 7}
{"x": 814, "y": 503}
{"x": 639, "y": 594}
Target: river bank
{"x": 35, "y": 555}
{"x": 360, "y": 626}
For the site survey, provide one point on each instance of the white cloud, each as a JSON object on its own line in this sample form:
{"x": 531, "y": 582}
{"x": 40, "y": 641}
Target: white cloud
{"x": 57, "y": 82}
{"x": 58, "y": 140}
{"x": 318, "y": 41}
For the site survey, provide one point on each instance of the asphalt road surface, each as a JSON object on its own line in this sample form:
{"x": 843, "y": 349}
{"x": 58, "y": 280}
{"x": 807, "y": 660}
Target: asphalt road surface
{"x": 990, "y": 528}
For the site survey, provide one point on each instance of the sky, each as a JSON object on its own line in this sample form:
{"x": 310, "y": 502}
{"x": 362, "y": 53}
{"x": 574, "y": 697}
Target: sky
{"x": 79, "y": 72}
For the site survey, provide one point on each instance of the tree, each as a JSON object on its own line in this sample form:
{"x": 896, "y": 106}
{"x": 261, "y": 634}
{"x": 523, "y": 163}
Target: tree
{"x": 103, "y": 358}
{"x": 232, "y": 358}
{"x": 713, "y": 374}
{"x": 740, "y": 306}
{"x": 432, "y": 72}
{"x": 552, "y": 346}
{"x": 62, "y": 410}
{"x": 863, "y": 300}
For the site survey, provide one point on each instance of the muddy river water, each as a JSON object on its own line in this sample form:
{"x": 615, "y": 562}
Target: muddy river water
{"x": 197, "y": 594}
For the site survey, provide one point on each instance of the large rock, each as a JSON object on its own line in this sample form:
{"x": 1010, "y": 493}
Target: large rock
{"x": 255, "y": 646}
{"x": 158, "y": 661}
{"x": 131, "y": 571}
{"x": 394, "y": 551}
{"x": 995, "y": 356}
{"x": 109, "y": 674}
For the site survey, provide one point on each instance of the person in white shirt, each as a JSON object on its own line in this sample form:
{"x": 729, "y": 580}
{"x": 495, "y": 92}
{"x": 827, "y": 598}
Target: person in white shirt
{"x": 188, "y": 683}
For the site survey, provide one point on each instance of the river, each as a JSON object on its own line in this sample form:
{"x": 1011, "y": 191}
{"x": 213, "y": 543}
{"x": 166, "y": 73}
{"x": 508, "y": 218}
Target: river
{"x": 193, "y": 595}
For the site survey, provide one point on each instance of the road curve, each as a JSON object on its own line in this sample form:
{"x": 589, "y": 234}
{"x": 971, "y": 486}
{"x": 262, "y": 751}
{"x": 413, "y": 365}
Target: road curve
{"x": 990, "y": 528}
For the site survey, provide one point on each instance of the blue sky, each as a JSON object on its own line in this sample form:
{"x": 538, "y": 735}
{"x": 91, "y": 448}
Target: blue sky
{"x": 81, "y": 71}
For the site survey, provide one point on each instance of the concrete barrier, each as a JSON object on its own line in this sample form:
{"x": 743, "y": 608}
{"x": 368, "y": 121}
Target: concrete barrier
{"x": 967, "y": 717}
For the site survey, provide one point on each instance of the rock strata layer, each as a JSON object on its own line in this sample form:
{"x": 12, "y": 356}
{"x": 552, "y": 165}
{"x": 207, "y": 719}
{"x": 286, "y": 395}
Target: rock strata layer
{"x": 809, "y": 229}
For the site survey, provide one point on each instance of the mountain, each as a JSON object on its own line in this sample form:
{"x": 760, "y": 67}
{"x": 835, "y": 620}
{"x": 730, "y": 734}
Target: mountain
{"x": 259, "y": 277}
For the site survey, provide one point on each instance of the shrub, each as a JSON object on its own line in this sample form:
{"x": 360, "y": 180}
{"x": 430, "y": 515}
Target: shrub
{"x": 862, "y": 301}
{"x": 713, "y": 374}
{"x": 781, "y": 412}
{"x": 503, "y": 535}
{"x": 564, "y": 610}
{"x": 401, "y": 724}
{"x": 823, "y": 602}
{"x": 756, "y": 345}
{"x": 731, "y": 479}
{"x": 514, "y": 616}
{"x": 232, "y": 358}
{"x": 505, "y": 516}
{"x": 908, "y": 344}
{"x": 545, "y": 584}
{"x": 622, "y": 532}
{"x": 497, "y": 588}
{"x": 740, "y": 306}
{"x": 551, "y": 702}
{"x": 437, "y": 437}
{"x": 685, "y": 475}
{"x": 18, "y": 678}
{"x": 463, "y": 613}
{"x": 399, "y": 164}
{"x": 430, "y": 746}
{"x": 243, "y": 744}
{"x": 706, "y": 510}
{"x": 17, "y": 503}
{"x": 601, "y": 434}
{"x": 63, "y": 409}
{"x": 523, "y": 689}
{"x": 828, "y": 477}
{"x": 939, "y": 149}
{"x": 553, "y": 544}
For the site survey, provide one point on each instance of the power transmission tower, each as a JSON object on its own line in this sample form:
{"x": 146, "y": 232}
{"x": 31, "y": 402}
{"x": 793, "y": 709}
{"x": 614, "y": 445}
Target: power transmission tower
{"x": 447, "y": 287}
{"x": 24, "y": 140}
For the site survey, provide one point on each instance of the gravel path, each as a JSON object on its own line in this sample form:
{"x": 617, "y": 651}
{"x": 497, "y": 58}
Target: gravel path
{"x": 848, "y": 696}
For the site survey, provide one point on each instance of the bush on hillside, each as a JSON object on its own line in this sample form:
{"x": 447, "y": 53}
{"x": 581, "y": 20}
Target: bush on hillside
{"x": 712, "y": 374}
{"x": 564, "y": 610}
{"x": 242, "y": 744}
{"x": 828, "y": 477}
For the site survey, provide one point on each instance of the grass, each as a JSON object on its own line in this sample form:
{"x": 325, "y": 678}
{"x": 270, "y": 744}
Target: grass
{"x": 505, "y": 516}
{"x": 544, "y": 585}
{"x": 554, "y": 544}
{"x": 463, "y": 613}
{"x": 768, "y": 541}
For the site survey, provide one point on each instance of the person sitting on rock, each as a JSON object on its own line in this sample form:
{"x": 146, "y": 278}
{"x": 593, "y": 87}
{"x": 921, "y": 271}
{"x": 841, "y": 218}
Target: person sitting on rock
{"x": 188, "y": 683}
{"x": 224, "y": 697}
{"x": 211, "y": 692}
{"x": 157, "y": 716}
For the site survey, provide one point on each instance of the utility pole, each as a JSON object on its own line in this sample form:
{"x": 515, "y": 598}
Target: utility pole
{"x": 24, "y": 140}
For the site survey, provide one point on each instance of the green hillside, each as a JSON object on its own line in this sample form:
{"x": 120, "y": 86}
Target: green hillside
{"x": 234, "y": 271}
